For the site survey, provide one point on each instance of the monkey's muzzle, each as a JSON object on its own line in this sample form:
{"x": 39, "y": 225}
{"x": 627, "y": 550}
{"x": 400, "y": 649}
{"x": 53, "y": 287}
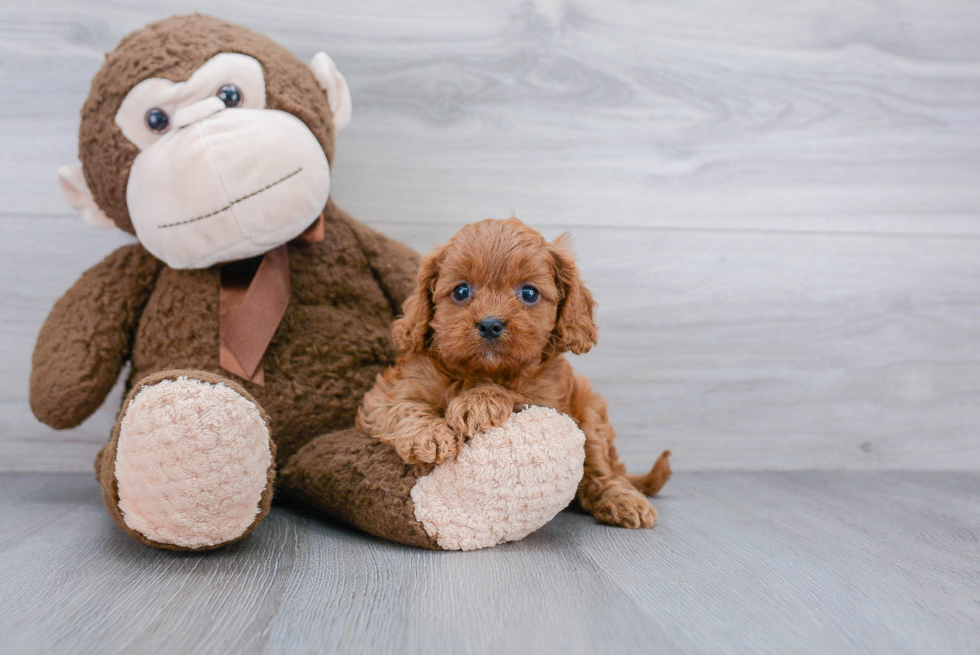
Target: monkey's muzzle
{"x": 227, "y": 185}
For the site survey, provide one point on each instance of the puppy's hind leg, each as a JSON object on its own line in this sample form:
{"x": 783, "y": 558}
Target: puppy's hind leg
{"x": 606, "y": 491}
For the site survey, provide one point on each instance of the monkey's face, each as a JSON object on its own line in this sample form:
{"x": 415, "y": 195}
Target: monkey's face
{"x": 219, "y": 177}
{"x": 208, "y": 141}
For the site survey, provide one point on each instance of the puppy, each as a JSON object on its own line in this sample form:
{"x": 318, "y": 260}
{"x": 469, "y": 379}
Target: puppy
{"x": 485, "y": 335}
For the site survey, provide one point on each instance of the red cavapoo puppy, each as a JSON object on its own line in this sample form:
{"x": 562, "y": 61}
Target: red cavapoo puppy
{"x": 484, "y": 336}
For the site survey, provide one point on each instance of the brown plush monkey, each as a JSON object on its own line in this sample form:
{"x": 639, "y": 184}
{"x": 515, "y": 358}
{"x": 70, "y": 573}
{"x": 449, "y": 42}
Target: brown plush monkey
{"x": 255, "y": 313}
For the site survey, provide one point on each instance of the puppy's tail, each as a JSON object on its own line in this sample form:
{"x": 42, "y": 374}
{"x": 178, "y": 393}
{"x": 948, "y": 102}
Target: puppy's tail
{"x": 653, "y": 481}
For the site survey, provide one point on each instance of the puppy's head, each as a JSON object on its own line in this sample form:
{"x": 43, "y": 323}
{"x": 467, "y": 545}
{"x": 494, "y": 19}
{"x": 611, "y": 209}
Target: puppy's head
{"x": 497, "y": 298}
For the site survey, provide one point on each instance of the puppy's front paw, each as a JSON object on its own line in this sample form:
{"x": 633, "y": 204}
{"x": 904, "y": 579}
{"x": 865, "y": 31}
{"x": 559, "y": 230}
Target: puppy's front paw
{"x": 625, "y": 509}
{"x": 435, "y": 445}
{"x": 479, "y": 409}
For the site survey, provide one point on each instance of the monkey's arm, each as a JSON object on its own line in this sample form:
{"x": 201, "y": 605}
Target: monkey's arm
{"x": 395, "y": 265}
{"x": 88, "y": 335}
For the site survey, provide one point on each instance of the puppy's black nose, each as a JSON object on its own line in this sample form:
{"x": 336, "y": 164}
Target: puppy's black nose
{"x": 490, "y": 327}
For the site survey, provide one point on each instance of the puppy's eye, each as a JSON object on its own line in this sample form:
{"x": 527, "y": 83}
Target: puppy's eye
{"x": 230, "y": 95}
{"x": 529, "y": 294}
{"x": 461, "y": 292}
{"x": 157, "y": 120}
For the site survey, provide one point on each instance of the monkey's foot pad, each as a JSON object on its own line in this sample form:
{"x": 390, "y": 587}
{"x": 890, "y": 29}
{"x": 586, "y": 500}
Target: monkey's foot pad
{"x": 193, "y": 463}
{"x": 506, "y": 482}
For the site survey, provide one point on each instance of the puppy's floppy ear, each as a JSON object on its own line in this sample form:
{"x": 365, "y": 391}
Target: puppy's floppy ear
{"x": 575, "y": 328}
{"x": 410, "y": 331}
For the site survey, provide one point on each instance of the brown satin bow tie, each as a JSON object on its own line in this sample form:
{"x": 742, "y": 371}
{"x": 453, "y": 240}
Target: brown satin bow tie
{"x": 252, "y": 301}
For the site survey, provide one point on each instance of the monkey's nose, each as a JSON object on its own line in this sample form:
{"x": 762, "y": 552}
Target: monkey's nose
{"x": 490, "y": 327}
{"x": 197, "y": 111}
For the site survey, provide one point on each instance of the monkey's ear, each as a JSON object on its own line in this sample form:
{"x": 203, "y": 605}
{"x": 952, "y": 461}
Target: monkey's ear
{"x": 337, "y": 90}
{"x": 76, "y": 192}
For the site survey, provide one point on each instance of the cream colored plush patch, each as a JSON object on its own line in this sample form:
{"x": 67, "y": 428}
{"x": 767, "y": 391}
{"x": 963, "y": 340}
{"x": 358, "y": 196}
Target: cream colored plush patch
{"x": 191, "y": 463}
{"x": 506, "y": 483}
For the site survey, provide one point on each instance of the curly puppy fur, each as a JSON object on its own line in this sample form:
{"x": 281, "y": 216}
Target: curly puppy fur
{"x": 451, "y": 381}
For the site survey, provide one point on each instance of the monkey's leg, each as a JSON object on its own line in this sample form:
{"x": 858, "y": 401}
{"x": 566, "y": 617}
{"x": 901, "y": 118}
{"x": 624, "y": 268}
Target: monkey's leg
{"x": 190, "y": 464}
{"x": 505, "y": 483}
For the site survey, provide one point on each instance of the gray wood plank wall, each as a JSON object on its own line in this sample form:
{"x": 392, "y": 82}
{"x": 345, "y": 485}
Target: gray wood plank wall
{"x": 776, "y": 204}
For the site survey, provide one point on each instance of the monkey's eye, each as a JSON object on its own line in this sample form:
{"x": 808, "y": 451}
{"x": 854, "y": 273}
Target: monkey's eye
{"x": 461, "y": 292}
{"x": 230, "y": 95}
{"x": 157, "y": 120}
{"x": 529, "y": 294}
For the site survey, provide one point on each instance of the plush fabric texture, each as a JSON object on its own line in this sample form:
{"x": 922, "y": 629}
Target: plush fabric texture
{"x": 195, "y": 201}
{"x": 191, "y": 100}
{"x": 202, "y": 389}
{"x": 359, "y": 480}
{"x": 195, "y": 194}
{"x": 88, "y": 336}
{"x": 331, "y": 344}
{"x": 346, "y": 289}
{"x": 506, "y": 483}
{"x": 192, "y": 462}
{"x": 173, "y": 49}
{"x": 71, "y": 180}
{"x": 337, "y": 89}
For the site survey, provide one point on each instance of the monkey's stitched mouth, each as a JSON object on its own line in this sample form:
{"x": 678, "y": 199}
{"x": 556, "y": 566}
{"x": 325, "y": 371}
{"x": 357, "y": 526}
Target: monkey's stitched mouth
{"x": 234, "y": 202}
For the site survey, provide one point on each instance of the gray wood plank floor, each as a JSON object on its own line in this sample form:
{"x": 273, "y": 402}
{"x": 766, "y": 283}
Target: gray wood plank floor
{"x": 776, "y": 206}
{"x": 804, "y": 562}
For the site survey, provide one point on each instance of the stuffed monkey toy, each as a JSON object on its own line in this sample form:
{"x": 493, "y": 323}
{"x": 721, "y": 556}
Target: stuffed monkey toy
{"x": 255, "y": 314}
